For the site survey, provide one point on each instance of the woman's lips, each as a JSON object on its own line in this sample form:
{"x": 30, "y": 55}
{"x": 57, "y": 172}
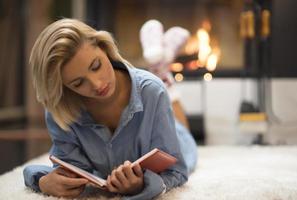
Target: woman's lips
{"x": 103, "y": 91}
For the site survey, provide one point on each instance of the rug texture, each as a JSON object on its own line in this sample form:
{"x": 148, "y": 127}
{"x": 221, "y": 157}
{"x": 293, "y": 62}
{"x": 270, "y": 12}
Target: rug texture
{"x": 222, "y": 173}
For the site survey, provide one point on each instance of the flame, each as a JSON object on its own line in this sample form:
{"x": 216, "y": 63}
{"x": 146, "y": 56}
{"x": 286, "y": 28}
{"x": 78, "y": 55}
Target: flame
{"x": 203, "y": 37}
{"x": 176, "y": 67}
{"x": 206, "y": 48}
{"x": 203, "y": 45}
{"x": 212, "y": 61}
{"x": 206, "y": 25}
{"x": 191, "y": 46}
{"x": 193, "y": 65}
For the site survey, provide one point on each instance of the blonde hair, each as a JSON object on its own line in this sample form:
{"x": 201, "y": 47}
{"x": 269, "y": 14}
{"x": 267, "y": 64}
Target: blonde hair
{"x": 54, "y": 47}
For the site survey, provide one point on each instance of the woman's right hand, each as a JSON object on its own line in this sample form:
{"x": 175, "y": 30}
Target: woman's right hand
{"x": 62, "y": 183}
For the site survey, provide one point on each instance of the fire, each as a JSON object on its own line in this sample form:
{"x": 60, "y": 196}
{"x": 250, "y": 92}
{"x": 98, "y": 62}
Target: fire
{"x": 191, "y": 46}
{"x": 204, "y": 48}
{"x": 203, "y": 37}
{"x": 176, "y": 67}
{"x": 193, "y": 65}
{"x": 212, "y": 62}
{"x": 208, "y": 56}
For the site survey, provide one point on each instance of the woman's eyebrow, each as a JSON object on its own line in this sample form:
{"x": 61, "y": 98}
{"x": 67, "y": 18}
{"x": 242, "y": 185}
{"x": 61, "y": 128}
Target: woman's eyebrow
{"x": 90, "y": 66}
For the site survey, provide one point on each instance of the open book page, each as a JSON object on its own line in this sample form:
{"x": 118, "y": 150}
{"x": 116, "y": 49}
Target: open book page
{"x": 92, "y": 178}
{"x": 155, "y": 160}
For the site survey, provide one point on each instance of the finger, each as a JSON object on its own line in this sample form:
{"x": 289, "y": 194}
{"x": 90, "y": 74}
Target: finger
{"x": 114, "y": 180}
{"x": 119, "y": 173}
{"x": 110, "y": 186}
{"x": 73, "y": 182}
{"x": 138, "y": 170}
{"x": 59, "y": 170}
{"x": 128, "y": 171}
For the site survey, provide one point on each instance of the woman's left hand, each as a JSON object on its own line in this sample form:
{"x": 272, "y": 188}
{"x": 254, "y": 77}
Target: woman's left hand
{"x": 125, "y": 179}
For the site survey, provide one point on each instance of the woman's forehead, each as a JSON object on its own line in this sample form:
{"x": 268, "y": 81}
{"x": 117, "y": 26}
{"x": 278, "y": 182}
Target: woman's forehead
{"x": 82, "y": 59}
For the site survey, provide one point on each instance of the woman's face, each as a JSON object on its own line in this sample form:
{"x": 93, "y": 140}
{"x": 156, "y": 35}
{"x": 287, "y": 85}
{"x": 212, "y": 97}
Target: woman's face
{"x": 90, "y": 73}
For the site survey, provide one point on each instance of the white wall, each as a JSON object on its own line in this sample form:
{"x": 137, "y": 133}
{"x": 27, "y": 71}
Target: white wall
{"x": 219, "y": 102}
{"x": 283, "y": 128}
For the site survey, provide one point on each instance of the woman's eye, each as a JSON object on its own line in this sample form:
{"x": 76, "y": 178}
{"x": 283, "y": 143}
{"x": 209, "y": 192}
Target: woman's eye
{"x": 96, "y": 65}
{"x": 78, "y": 83}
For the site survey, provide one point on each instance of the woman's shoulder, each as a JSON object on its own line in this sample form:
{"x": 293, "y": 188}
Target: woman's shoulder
{"x": 148, "y": 81}
{"x": 150, "y": 88}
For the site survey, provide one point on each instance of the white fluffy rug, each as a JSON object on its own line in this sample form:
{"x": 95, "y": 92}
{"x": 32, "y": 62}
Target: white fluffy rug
{"x": 231, "y": 173}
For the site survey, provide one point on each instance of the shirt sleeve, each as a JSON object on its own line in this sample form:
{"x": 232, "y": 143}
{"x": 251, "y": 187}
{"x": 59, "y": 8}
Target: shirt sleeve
{"x": 163, "y": 137}
{"x": 33, "y": 173}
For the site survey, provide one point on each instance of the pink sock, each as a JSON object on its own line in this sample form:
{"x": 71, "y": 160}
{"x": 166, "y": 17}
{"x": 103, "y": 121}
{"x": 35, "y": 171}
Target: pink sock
{"x": 160, "y": 49}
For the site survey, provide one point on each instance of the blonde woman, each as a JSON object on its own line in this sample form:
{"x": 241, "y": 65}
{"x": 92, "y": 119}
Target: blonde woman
{"x": 102, "y": 114}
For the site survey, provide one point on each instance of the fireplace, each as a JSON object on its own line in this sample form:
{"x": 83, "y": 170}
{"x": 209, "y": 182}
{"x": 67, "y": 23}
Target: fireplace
{"x": 213, "y": 25}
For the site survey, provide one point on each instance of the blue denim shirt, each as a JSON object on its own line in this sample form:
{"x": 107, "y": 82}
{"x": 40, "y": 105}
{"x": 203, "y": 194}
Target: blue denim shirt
{"x": 146, "y": 123}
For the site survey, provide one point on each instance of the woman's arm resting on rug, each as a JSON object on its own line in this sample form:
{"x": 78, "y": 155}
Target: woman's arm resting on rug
{"x": 57, "y": 181}
{"x": 62, "y": 183}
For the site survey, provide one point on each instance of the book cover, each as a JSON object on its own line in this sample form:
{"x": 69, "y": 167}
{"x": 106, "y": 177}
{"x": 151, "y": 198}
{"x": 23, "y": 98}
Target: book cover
{"x": 156, "y": 161}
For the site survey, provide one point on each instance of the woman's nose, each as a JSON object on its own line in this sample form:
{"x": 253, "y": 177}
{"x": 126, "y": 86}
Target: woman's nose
{"x": 95, "y": 82}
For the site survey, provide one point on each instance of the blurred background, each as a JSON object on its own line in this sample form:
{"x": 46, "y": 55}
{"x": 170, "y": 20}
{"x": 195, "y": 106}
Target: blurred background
{"x": 237, "y": 72}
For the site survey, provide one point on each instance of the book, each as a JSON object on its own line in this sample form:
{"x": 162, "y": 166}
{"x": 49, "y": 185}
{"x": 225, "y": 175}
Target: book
{"x": 156, "y": 160}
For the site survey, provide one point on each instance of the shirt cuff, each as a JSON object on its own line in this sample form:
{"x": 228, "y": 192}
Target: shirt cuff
{"x": 153, "y": 186}
{"x": 33, "y": 173}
